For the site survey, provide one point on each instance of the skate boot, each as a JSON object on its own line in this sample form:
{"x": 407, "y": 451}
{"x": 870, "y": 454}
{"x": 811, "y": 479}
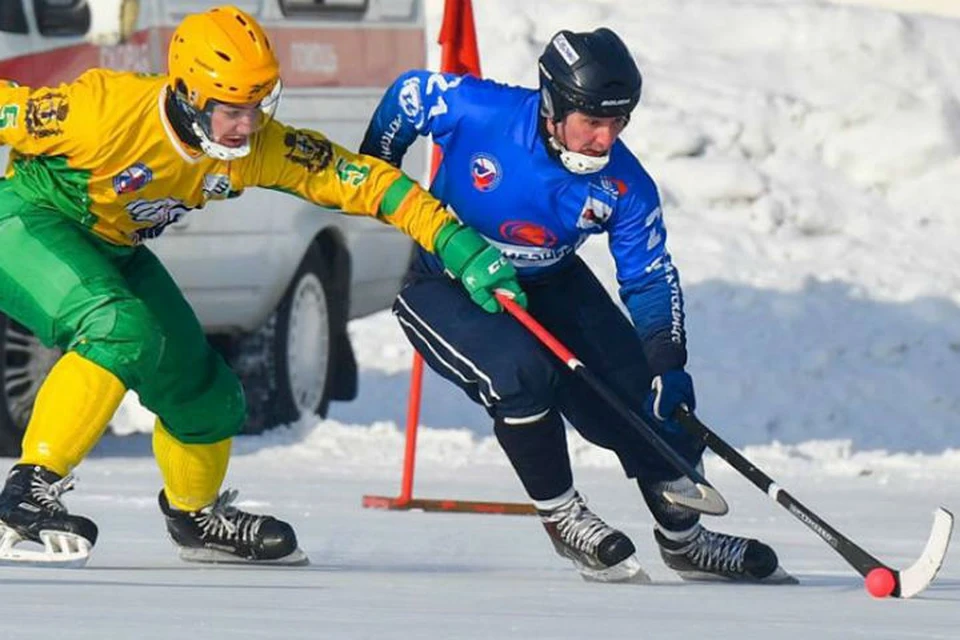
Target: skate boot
{"x": 707, "y": 555}
{"x": 222, "y": 533}
{"x": 598, "y": 551}
{"x": 31, "y": 512}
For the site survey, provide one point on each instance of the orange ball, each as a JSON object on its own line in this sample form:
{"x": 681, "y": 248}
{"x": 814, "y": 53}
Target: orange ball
{"x": 880, "y": 582}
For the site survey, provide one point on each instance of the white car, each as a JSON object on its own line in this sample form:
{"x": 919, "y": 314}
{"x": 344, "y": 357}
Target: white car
{"x": 272, "y": 278}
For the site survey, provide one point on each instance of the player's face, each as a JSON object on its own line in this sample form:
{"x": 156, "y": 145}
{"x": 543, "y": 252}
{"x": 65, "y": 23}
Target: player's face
{"x": 231, "y": 125}
{"x": 589, "y": 135}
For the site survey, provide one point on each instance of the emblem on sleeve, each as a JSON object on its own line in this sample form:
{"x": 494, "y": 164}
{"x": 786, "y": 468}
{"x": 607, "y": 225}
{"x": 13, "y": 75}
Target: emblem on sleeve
{"x": 308, "y": 150}
{"x": 409, "y": 99}
{"x": 45, "y": 113}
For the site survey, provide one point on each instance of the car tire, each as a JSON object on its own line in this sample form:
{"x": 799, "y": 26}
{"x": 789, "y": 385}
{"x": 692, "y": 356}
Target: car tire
{"x": 24, "y": 365}
{"x": 286, "y": 367}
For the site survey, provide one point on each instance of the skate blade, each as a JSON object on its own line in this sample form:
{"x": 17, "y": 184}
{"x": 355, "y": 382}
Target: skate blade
{"x": 626, "y": 571}
{"x": 295, "y": 558}
{"x": 779, "y": 576}
{"x": 60, "y": 549}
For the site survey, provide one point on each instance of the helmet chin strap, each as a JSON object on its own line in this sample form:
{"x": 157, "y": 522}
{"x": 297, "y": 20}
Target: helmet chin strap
{"x": 219, "y": 151}
{"x": 579, "y": 163}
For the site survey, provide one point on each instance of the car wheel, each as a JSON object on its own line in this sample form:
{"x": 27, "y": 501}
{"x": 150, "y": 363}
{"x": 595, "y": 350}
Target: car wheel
{"x": 286, "y": 366}
{"x": 24, "y": 364}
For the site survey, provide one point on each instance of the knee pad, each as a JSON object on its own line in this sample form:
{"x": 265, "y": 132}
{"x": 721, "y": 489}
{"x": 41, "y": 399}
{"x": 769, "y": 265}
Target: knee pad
{"x": 118, "y": 333}
{"x": 529, "y": 387}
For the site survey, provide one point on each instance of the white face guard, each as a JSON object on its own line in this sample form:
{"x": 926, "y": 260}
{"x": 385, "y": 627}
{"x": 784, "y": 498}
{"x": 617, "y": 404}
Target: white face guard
{"x": 260, "y": 115}
{"x": 579, "y": 163}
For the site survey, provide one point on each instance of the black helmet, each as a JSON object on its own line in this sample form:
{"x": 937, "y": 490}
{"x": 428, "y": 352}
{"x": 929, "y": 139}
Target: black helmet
{"x": 589, "y": 72}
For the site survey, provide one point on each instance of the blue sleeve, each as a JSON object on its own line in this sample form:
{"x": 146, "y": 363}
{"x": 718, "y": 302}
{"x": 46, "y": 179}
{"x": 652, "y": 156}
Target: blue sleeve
{"x": 418, "y": 103}
{"x": 649, "y": 283}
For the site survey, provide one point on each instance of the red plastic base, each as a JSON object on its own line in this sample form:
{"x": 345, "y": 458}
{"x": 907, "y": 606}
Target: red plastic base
{"x": 456, "y": 506}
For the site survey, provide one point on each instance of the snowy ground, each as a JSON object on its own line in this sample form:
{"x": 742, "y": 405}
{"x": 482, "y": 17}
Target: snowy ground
{"x": 809, "y": 156}
{"x": 379, "y": 575}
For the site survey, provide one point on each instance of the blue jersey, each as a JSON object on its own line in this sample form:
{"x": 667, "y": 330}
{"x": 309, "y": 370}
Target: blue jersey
{"x": 499, "y": 178}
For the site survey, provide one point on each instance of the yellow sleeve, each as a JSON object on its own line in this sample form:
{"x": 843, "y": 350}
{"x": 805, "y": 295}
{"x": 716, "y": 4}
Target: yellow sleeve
{"x": 44, "y": 120}
{"x": 305, "y": 163}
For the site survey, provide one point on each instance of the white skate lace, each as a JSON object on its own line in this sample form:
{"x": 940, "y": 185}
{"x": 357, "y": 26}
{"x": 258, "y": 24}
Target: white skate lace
{"x": 578, "y": 526}
{"x": 226, "y": 522}
{"x": 47, "y": 494}
{"x": 718, "y": 551}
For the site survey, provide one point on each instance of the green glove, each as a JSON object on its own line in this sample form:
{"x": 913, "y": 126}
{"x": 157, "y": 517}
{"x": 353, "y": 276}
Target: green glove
{"x": 479, "y": 267}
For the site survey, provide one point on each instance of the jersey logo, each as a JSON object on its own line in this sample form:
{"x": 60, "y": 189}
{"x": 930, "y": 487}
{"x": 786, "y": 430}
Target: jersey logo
{"x": 598, "y": 207}
{"x": 159, "y": 214}
{"x": 45, "y": 113}
{"x": 593, "y": 214}
{"x": 216, "y": 186}
{"x": 485, "y": 171}
{"x": 528, "y": 233}
{"x": 133, "y": 178}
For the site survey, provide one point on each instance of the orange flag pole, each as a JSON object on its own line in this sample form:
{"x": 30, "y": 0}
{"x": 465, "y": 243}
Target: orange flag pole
{"x": 460, "y": 55}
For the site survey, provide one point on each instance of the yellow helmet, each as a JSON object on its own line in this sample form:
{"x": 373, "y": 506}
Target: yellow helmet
{"x": 222, "y": 56}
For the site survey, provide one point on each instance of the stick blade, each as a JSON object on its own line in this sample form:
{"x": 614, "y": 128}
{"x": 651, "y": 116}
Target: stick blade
{"x": 709, "y": 501}
{"x": 921, "y": 573}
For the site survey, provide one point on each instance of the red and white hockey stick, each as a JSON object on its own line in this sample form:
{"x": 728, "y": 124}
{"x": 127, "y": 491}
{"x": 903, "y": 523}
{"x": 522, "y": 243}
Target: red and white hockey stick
{"x": 909, "y": 581}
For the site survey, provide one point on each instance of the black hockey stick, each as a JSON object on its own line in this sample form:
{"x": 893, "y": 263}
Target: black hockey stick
{"x": 909, "y": 581}
{"x": 709, "y": 501}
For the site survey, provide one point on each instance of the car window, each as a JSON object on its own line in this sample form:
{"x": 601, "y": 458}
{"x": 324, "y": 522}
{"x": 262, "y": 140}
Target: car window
{"x": 62, "y": 17}
{"x": 179, "y": 8}
{"x": 12, "y": 17}
{"x": 323, "y": 8}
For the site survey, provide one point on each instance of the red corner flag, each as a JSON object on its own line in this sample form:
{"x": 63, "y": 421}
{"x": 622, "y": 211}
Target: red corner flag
{"x": 459, "y": 55}
{"x": 458, "y": 39}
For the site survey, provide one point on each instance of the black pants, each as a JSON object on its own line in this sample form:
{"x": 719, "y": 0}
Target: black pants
{"x": 502, "y": 366}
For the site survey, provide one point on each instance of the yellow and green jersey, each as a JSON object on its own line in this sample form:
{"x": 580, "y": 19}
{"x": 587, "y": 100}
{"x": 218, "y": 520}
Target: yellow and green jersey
{"x": 102, "y": 151}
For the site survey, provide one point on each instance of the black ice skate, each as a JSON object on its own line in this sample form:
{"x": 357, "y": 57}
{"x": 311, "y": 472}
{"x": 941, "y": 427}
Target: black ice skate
{"x": 597, "y": 550}
{"x": 222, "y": 533}
{"x": 707, "y": 555}
{"x": 31, "y": 512}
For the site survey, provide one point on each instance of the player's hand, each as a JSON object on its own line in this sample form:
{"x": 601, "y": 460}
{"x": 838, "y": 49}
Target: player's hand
{"x": 668, "y": 391}
{"x": 479, "y": 267}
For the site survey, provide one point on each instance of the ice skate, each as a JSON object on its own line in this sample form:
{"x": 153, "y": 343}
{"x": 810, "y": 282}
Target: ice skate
{"x": 32, "y": 515}
{"x": 221, "y": 533}
{"x": 598, "y": 551}
{"x": 708, "y": 555}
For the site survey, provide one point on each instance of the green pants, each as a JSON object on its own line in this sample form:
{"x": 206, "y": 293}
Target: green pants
{"x": 118, "y": 307}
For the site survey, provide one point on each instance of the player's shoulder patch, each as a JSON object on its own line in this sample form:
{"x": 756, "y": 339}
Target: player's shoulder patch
{"x": 46, "y": 112}
{"x": 308, "y": 148}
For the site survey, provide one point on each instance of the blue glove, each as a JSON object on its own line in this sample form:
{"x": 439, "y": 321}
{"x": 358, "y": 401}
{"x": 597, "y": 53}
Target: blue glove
{"x": 668, "y": 391}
